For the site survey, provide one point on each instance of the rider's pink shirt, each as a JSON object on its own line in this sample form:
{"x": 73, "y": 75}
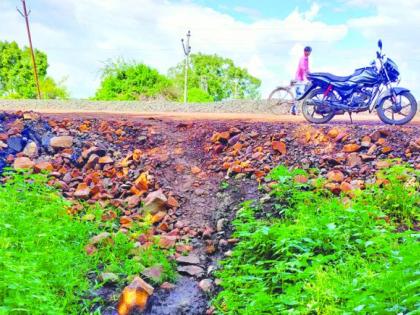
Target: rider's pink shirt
{"x": 303, "y": 69}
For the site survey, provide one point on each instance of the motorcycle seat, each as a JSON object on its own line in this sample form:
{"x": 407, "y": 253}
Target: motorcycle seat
{"x": 330, "y": 77}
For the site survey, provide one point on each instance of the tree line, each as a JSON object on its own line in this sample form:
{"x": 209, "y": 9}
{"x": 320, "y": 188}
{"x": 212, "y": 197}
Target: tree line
{"x": 211, "y": 78}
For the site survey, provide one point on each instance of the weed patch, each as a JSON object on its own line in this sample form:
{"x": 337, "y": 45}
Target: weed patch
{"x": 316, "y": 253}
{"x": 44, "y": 266}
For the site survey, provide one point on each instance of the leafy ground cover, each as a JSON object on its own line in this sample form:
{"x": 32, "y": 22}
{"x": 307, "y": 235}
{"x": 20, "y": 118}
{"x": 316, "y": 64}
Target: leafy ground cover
{"x": 316, "y": 253}
{"x": 45, "y": 266}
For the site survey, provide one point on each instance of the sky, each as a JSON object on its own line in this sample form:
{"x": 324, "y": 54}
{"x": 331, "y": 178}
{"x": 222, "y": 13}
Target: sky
{"x": 266, "y": 36}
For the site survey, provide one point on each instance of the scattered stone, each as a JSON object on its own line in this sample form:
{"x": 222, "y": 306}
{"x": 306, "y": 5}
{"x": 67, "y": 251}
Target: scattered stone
{"x": 155, "y": 201}
{"x": 167, "y": 241}
{"x": 335, "y": 176}
{"x": 382, "y": 164}
{"x": 132, "y": 201}
{"x": 167, "y": 286}
{"x": 194, "y": 271}
{"x": 191, "y": 259}
{"x": 108, "y": 277}
{"x": 221, "y": 224}
{"x": 153, "y": 273}
{"x": 82, "y": 191}
{"x": 352, "y": 147}
{"x": 105, "y": 160}
{"x": 23, "y": 163}
{"x": 100, "y": 238}
{"x": 134, "y": 296}
{"x": 61, "y": 142}
{"x": 172, "y": 202}
{"x": 31, "y": 149}
{"x": 206, "y": 285}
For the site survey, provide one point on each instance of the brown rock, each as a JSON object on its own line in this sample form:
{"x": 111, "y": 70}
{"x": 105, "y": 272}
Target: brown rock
{"x": 172, "y": 202}
{"x": 3, "y": 145}
{"x": 346, "y": 187}
{"x": 167, "y": 241}
{"x": 134, "y": 296}
{"x": 386, "y": 149}
{"x": 132, "y": 201}
{"x": 301, "y": 179}
{"x": 61, "y": 142}
{"x": 158, "y": 217}
{"x": 279, "y": 146}
{"x": 333, "y": 133}
{"x": 210, "y": 249}
{"x": 354, "y": 159}
{"x": 333, "y": 187}
{"x": 382, "y": 164}
{"x": 105, "y": 160}
{"x": 367, "y": 158}
{"x": 92, "y": 161}
{"x": 195, "y": 170}
{"x": 335, "y": 176}
{"x": 351, "y": 147}
{"x": 366, "y": 141}
{"x": 43, "y": 166}
{"x": 100, "y": 238}
{"x": 82, "y": 191}
{"x": 372, "y": 149}
{"x": 155, "y": 202}
{"x": 23, "y": 163}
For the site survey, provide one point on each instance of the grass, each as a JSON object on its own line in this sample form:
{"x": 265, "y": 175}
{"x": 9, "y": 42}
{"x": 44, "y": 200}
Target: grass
{"x": 44, "y": 267}
{"x": 315, "y": 253}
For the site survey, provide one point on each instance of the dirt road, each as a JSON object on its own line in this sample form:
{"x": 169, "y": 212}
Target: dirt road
{"x": 249, "y": 117}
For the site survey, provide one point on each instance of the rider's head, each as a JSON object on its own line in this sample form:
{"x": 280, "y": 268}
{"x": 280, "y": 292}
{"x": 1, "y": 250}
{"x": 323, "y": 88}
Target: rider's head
{"x": 307, "y": 50}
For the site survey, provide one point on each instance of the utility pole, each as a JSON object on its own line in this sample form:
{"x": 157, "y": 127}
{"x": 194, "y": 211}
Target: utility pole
{"x": 25, "y": 14}
{"x": 187, "y": 51}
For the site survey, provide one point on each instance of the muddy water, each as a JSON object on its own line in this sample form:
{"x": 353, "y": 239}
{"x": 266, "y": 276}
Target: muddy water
{"x": 185, "y": 299}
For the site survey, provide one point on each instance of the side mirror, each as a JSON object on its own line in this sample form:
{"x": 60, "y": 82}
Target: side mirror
{"x": 380, "y": 44}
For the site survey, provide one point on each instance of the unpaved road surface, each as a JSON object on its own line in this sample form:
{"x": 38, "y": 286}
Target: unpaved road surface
{"x": 187, "y": 156}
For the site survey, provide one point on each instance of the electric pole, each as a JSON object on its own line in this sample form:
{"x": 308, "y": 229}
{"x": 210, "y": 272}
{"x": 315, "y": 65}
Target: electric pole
{"x": 187, "y": 50}
{"x": 25, "y": 14}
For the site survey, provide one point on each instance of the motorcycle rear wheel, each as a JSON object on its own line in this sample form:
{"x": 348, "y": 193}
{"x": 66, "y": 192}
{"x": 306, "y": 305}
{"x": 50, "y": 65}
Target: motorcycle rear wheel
{"x": 387, "y": 112}
{"x": 311, "y": 112}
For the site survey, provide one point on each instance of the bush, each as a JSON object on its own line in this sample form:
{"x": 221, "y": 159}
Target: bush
{"x": 196, "y": 95}
{"x": 123, "y": 80}
{"x": 315, "y": 253}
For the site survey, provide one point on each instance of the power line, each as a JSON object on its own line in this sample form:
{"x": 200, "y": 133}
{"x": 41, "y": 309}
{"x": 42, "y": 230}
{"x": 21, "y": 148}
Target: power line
{"x": 187, "y": 51}
{"x": 25, "y": 14}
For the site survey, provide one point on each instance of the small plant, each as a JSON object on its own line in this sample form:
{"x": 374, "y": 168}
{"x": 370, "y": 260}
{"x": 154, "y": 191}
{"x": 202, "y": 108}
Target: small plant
{"x": 322, "y": 255}
{"x": 224, "y": 185}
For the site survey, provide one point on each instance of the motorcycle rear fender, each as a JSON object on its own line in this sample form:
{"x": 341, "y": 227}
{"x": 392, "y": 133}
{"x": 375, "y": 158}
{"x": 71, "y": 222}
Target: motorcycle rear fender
{"x": 388, "y": 93}
{"x": 309, "y": 88}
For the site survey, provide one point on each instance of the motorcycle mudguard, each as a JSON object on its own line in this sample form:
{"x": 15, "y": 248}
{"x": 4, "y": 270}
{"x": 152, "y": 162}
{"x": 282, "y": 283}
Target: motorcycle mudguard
{"x": 388, "y": 93}
{"x": 308, "y": 89}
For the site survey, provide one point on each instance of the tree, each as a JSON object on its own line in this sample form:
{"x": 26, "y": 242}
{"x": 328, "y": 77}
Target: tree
{"x": 123, "y": 80}
{"x": 218, "y": 77}
{"x": 16, "y": 73}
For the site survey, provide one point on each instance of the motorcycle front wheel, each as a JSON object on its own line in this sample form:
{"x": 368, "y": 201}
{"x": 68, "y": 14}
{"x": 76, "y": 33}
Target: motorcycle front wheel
{"x": 315, "y": 113}
{"x": 398, "y": 111}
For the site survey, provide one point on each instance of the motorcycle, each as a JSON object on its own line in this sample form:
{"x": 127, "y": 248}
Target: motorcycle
{"x": 367, "y": 89}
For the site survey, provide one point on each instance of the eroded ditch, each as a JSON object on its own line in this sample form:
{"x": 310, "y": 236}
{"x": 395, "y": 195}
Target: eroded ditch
{"x": 204, "y": 170}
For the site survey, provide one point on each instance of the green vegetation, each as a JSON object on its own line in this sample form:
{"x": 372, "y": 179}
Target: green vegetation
{"x": 16, "y": 74}
{"x": 123, "y": 80}
{"x": 211, "y": 78}
{"x": 217, "y": 77}
{"x": 315, "y": 253}
{"x": 43, "y": 260}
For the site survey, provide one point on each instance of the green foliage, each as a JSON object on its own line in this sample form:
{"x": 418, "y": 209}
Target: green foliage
{"x": 43, "y": 263}
{"x": 123, "y": 80}
{"x": 218, "y": 76}
{"x": 314, "y": 253}
{"x": 16, "y": 74}
{"x": 196, "y": 95}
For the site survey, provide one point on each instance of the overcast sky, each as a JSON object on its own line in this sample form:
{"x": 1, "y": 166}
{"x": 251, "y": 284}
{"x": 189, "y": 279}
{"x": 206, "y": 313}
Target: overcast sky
{"x": 265, "y": 36}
